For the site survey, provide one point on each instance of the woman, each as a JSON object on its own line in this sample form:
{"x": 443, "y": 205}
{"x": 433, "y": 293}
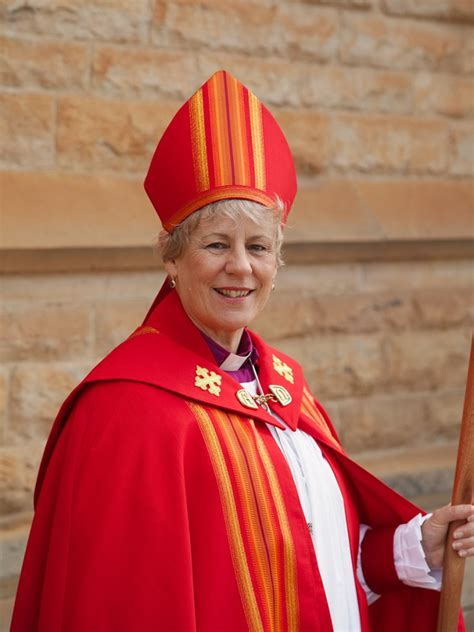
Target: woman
{"x": 191, "y": 482}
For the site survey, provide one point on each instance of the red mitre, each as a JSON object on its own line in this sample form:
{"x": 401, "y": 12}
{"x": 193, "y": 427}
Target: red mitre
{"x": 222, "y": 143}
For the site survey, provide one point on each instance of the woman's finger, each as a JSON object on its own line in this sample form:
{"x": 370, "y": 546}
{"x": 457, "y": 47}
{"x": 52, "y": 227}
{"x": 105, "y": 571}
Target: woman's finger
{"x": 450, "y": 513}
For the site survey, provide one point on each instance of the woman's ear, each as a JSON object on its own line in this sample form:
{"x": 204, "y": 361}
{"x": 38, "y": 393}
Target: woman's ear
{"x": 171, "y": 268}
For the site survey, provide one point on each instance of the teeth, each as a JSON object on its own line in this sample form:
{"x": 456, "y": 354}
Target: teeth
{"x": 234, "y": 293}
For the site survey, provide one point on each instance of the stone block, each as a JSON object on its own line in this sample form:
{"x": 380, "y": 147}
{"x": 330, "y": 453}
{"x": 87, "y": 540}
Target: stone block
{"x": 383, "y": 422}
{"x": 359, "y": 4}
{"x": 27, "y": 130}
{"x": 373, "y": 211}
{"x": 48, "y": 331}
{"x": 365, "y": 89}
{"x": 366, "y": 313}
{"x": 309, "y": 136}
{"x": 91, "y": 288}
{"x": 401, "y": 44}
{"x": 469, "y": 612}
{"x": 36, "y": 393}
{"x": 427, "y": 484}
{"x": 144, "y": 72}
{"x": 52, "y": 65}
{"x": 277, "y": 321}
{"x": 389, "y": 144}
{"x": 79, "y": 210}
{"x": 416, "y": 275}
{"x": 444, "y": 411}
{"x": 18, "y": 471}
{"x": 115, "y": 321}
{"x": 427, "y": 360}
{"x": 249, "y": 27}
{"x": 397, "y": 420}
{"x": 445, "y": 9}
{"x": 110, "y": 135}
{"x": 6, "y": 609}
{"x": 389, "y": 463}
{"x": 423, "y": 473}
{"x": 449, "y": 307}
{"x": 461, "y": 160}
{"x": 4, "y": 386}
{"x": 339, "y": 366}
{"x": 444, "y": 94}
{"x": 12, "y": 549}
{"x": 318, "y": 279}
{"x": 308, "y": 31}
{"x": 315, "y": 313}
{"x": 113, "y": 20}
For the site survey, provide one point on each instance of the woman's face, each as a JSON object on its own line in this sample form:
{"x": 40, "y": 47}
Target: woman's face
{"x": 225, "y": 275}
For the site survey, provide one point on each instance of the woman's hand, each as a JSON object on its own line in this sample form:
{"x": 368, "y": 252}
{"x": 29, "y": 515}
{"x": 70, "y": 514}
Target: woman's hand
{"x": 434, "y": 532}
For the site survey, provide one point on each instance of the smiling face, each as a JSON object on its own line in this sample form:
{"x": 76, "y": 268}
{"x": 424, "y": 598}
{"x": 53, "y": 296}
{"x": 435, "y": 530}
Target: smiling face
{"x": 225, "y": 274}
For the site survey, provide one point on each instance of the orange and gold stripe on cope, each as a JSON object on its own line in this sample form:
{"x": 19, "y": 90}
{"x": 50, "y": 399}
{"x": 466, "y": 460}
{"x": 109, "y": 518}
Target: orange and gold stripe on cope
{"x": 232, "y": 131}
{"x": 310, "y": 410}
{"x": 257, "y": 524}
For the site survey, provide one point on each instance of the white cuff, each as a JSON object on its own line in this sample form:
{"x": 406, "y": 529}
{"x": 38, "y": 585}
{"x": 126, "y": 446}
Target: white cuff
{"x": 409, "y": 557}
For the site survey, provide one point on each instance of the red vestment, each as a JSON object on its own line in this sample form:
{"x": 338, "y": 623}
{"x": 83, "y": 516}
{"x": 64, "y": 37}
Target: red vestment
{"x": 163, "y": 503}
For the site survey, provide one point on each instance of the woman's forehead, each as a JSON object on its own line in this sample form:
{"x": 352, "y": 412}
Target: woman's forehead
{"x": 225, "y": 223}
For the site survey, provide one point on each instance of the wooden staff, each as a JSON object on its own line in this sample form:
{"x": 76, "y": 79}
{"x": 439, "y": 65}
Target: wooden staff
{"x": 453, "y": 572}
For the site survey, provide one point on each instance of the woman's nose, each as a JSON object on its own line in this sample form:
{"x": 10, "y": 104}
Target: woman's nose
{"x": 238, "y": 261}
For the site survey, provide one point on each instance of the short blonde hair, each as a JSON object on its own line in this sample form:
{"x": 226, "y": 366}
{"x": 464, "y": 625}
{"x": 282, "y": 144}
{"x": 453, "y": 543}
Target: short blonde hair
{"x": 172, "y": 245}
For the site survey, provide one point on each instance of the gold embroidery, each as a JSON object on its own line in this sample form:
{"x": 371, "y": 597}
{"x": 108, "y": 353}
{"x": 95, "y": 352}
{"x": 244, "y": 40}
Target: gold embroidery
{"x": 231, "y": 517}
{"x": 283, "y": 369}
{"x": 289, "y": 557}
{"x": 198, "y": 141}
{"x": 256, "y": 129}
{"x": 208, "y": 380}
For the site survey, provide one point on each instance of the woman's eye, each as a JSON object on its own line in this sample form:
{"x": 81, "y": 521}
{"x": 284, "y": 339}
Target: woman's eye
{"x": 258, "y": 247}
{"x": 217, "y": 245}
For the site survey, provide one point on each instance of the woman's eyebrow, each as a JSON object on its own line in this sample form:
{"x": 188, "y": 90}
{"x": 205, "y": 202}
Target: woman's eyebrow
{"x": 260, "y": 236}
{"x": 213, "y": 235}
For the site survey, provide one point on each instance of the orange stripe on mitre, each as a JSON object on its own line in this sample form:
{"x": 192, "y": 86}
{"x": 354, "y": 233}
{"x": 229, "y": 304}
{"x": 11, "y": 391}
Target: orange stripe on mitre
{"x": 234, "y": 534}
{"x": 198, "y": 141}
{"x": 221, "y": 193}
{"x": 238, "y": 128}
{"x": 219, "y": 130}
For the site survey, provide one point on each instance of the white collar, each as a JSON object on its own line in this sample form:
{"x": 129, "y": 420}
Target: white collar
{"x": 234, "y": 362}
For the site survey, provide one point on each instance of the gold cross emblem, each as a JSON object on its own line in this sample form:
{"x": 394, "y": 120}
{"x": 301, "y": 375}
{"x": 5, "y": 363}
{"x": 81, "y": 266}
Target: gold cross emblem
{"x": 208, "y": 380}
{"x": 283, "y": 369}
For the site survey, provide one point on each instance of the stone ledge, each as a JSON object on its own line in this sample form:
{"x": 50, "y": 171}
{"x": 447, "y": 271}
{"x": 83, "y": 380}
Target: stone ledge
{"x": 24, "y": 260}
{"x": 424, "y": 474}
{"x": 47, "y": 210}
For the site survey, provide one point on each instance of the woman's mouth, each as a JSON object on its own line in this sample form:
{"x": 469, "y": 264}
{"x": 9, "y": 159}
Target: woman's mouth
{"x": 233, "y": 293}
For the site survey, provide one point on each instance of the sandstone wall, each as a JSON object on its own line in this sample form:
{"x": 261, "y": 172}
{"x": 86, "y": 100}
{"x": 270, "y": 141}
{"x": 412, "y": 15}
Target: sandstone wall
{"x": 376, "y": 300}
